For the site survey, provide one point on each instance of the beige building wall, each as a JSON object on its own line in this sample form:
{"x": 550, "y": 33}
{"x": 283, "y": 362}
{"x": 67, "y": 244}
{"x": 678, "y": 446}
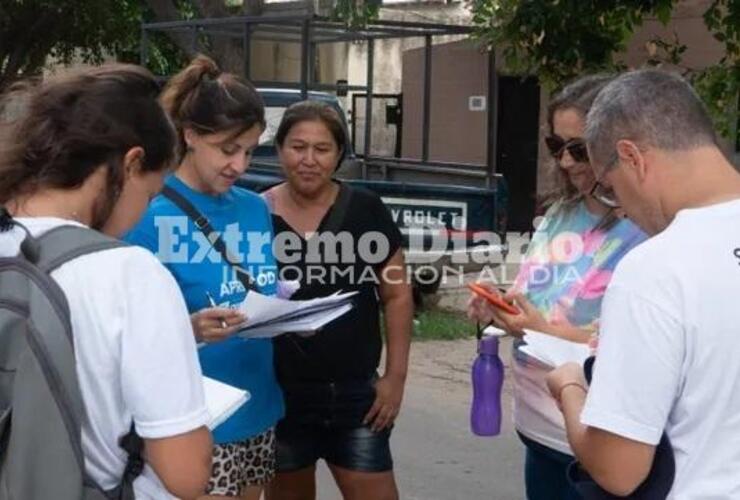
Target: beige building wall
{"x": 459, "y": 71}
{"x": 457, "y": 133}
{"x": 687, "y": 23}
{"x": 388, "y": 64}
{"x": 273, "y": 61}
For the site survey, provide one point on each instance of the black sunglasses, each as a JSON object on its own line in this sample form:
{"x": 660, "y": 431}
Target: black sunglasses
{"x": 576, "y": 148}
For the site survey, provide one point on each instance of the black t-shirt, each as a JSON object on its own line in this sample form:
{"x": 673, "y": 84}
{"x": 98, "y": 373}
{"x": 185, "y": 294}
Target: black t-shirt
{"x": 349, "y": 347}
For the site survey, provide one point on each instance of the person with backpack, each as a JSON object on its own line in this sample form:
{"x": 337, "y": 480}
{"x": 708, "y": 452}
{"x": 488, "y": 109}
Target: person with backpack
{"x": 94, "y": 335}
{"x": 337, "y": 237}
{"x": 216, "y": 240}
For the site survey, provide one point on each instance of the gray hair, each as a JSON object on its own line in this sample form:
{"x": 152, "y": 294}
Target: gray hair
{"x": 651, "y": 108}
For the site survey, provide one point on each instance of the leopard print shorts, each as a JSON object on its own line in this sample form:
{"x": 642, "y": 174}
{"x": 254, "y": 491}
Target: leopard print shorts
{"x": 245, "y": 463}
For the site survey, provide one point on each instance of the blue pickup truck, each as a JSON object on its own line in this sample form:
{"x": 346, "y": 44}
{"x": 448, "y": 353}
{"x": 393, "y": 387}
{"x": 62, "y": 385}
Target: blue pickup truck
{"x": 444, "y": 221}
{"x": 448, "y": 212}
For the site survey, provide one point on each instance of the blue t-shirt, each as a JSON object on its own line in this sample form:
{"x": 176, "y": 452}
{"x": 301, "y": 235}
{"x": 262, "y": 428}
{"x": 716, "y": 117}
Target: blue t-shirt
{"x": 243, "y": 220}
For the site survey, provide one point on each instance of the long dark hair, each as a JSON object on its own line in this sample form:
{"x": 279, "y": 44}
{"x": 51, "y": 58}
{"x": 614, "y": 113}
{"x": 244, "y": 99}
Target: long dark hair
{"x": 203, "y": 98}
{"x": 313, "y": 110}
{"x": 578, "y": 96}
{"x": 71, "y": 125}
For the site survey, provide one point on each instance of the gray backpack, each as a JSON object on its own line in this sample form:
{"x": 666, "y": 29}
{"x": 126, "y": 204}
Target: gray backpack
{"x": 41, "y": 408}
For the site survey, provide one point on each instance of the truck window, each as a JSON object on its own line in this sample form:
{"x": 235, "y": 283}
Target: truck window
{"x": 273, "y": 115}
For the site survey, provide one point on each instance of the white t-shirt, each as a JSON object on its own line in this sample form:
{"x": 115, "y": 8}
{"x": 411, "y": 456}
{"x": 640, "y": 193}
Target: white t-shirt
{"x": 669, "y": 350}
{"x": 135, "y": 353}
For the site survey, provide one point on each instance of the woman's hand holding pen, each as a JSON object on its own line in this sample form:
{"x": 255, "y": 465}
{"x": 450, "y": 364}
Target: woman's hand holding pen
{"x": 214, "y": 324}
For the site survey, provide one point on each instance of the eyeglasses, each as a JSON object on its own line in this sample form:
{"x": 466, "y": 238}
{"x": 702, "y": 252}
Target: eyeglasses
{"x": 604, "y": 195}
{"x": 576, "y": 148}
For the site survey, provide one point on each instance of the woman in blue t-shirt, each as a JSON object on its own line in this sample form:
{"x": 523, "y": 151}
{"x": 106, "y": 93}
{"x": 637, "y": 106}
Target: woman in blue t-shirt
{"x": 219, "y": 118}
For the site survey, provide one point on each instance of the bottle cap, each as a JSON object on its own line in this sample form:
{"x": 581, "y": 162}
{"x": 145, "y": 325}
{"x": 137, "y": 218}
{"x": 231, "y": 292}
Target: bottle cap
{"x": 488, "y": 345}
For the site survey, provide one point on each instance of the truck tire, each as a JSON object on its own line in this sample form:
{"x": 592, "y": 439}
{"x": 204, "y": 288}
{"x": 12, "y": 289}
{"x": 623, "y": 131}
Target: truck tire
{"x": 426, "y": 286}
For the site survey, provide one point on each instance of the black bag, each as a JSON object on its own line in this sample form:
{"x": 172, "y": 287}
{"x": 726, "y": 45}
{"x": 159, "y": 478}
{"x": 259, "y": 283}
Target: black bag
{"x": 204, "y": 225}
{"x": 656, "y": 486}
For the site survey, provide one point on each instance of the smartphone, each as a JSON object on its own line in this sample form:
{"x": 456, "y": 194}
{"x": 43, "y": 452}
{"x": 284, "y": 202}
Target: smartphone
{"x": 493, "y": 299}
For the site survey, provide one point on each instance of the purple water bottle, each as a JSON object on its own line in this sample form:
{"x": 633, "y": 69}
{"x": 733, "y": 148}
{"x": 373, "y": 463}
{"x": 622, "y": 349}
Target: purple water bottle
{"x": 488, "y": 377}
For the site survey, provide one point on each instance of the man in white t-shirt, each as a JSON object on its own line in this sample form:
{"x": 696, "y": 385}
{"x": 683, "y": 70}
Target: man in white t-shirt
{"x": 670, "y": 327}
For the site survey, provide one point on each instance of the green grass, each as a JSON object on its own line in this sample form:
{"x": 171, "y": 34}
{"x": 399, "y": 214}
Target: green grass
{"x": 440, "y": 324}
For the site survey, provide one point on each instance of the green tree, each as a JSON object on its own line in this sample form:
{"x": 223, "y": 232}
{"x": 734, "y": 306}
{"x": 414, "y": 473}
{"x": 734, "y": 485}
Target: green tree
{"x": 32, "y": 31}
{"x": 36, "y": 32}
{"x": 170, "y": 52}
{"x": 557, "y": 40}
{"x": 356, "y": 13}
{"x": 225, "y": 50}
{"x": 719, "y": 85}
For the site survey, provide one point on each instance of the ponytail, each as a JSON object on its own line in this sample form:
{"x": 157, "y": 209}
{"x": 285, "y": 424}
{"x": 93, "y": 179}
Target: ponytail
{"x": 203, "y": 98}
{"x": 182, "y": 89}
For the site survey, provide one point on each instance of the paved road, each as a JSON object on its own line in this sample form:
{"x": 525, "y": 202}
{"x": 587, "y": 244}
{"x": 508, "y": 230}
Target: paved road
{"x": 436, "y": 456}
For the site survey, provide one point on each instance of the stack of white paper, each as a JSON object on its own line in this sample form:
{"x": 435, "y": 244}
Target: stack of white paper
{"x": 553, "y": 351}
{"x": 222, "y": 400}
{"x": 272, "y": 316}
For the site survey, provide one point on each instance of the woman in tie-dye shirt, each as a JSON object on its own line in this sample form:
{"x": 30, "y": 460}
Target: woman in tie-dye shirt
{"x": 560, "y": 285}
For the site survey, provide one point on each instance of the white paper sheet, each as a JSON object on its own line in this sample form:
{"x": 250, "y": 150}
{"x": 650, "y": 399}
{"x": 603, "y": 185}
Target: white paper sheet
{"x": 271, "y": 316}
{"x": 306, "y": 324}
{"x": 553, "y": 351}
{"x": 222, "y": 400}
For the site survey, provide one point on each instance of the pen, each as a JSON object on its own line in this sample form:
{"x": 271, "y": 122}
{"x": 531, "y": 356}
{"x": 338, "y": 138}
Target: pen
{"x": 213, "y": 304}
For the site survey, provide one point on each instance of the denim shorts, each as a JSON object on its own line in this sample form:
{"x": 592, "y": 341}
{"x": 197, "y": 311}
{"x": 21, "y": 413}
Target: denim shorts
{"x": 545, "y": 475}
{"x": 324, "y": 420}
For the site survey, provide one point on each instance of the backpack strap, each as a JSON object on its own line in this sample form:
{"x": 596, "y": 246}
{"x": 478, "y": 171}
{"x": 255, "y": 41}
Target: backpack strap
{"x": 134, "y": 447}
{"x": 65, "y": 243}
{"x": 50, "y": 251}
{"x": 214, "y": 238}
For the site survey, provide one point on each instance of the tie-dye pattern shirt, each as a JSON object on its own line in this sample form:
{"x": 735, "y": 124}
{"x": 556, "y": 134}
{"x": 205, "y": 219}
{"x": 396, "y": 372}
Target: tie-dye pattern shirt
{"x": 564, "y": 273}
{"x": 569, "y": 263}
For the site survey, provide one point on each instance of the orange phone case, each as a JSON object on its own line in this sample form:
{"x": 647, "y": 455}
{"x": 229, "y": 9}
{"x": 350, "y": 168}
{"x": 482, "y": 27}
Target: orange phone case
{"x": 492, "y": 299}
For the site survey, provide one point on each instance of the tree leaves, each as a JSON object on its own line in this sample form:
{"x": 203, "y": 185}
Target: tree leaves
{"x": 558, "y": 40}
{"x": 32, "y": 30}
